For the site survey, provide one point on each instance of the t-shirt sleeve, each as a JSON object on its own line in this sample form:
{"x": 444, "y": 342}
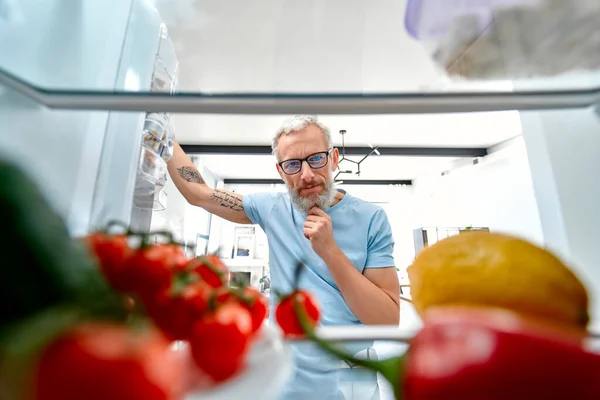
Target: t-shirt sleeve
{"x": 380, "y": 247}
{"x": 257, "y": 206}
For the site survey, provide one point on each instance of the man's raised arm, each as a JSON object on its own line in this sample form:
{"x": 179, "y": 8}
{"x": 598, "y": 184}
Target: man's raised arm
{"x": 191, "y": 185}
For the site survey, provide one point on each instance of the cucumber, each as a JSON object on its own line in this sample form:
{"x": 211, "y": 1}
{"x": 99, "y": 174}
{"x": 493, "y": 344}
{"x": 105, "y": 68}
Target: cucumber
{"x": 41, "y": 265}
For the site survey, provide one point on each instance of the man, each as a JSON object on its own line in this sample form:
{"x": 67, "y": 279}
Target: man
{"x": 346, "y": 243}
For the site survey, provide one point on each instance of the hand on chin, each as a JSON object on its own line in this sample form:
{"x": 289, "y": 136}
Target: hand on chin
{"x": 318, "y": 229}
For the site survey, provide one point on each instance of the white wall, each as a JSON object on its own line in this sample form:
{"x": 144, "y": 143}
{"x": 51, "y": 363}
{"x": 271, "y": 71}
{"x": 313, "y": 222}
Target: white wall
{"x": 564, "y": 149}
{"x": 496, "y": 193}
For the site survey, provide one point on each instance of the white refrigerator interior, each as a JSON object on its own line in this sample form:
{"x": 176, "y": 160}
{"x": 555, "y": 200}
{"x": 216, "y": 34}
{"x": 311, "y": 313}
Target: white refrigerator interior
{"x": 95, "y": 166}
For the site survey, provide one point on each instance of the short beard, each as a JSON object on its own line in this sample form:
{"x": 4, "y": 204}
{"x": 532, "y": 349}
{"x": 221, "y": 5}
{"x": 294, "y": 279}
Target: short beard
{"x": 322, "y": 201}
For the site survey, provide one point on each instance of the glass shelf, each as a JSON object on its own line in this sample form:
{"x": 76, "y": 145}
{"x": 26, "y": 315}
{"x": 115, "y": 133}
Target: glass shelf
{"x": 317, "y": 103}
{"x": 288, "y": 57}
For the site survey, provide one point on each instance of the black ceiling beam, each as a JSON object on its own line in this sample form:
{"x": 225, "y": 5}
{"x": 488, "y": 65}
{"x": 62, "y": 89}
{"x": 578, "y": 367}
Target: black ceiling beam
{"x": 378, "y": 182}
{"x": 350, "y": 151}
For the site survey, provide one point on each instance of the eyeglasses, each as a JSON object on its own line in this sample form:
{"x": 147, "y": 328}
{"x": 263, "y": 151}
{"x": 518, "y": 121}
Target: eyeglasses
{"x": 316, "y": 161}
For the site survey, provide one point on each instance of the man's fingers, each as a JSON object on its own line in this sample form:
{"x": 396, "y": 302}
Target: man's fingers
{"x": 310, "y": 224}
{"x": 307, "y": 232}
{"x": 317, "y": 211}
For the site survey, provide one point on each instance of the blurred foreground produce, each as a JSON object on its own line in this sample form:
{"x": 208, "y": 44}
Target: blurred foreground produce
{"x": 502, "y": 319}
{"x": 98, "y": 317}
{"x": 107, "y": 361}
{"x": 188, "y": 300}
{"x": 491, "y": 354}
{"x": 507, "y": 40}
{"x": 490, "y": 269}
{"x": 41, "y": 265}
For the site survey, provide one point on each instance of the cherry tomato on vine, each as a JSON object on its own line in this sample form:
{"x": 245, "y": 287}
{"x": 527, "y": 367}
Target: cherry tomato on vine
{"x": 175, "y": 313}
{"x": 249, "y": 298}
{"x": 152, "y": 268}
{"x": 112, "y": 253}
{"x": 220, "y": 341}
{"x": 285, "y": 313}
{"x": 211, "y": 269}
{"x": 258, "y": 307}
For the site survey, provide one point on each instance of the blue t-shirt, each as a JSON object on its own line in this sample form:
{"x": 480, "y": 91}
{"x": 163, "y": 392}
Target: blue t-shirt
{"x": 362, "y": 231}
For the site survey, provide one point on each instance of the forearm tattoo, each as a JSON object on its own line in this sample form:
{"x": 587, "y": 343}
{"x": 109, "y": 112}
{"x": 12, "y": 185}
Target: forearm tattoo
{"x": 228, "y": 200}
{"x": 190, "y": 174}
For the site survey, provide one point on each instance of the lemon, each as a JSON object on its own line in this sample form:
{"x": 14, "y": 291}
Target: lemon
{"x": 497, "y": 270}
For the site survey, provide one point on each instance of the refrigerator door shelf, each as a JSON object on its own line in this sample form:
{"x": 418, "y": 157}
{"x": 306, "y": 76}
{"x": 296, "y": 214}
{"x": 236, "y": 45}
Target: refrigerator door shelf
{"x": 166, "y": 151}
{"x": 150, "y": 197}
{"x": 166, "y": 51}
{"x": 159, "y": 134}
{"x": 160, "y": 201}
{"x": 164, "y": 80}
{"x": 152, "y": 168}
{"x": 166, "y": 67}
{"x": 156, "y": 131}
{"x": 145, "y": 187}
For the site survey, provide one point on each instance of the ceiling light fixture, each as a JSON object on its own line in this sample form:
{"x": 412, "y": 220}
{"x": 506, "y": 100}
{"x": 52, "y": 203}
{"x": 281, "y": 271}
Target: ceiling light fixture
{"x": 374, "y": 150}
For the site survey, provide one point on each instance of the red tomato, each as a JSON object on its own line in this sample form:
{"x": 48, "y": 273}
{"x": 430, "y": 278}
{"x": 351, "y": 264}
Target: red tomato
{"x": 258, "y": 307}
{"x": 219, "y": 342}
{"x": 249, "y": 298}
{"x": 112, "y": 252}
{"x": 222, "y": 295}
{"x": 285, "y": 313}
{"x": 211, "y": 269}
{"x": 152, "y": 268}
{"x": 102, "y": 361}
{"x": 175, "y": 313}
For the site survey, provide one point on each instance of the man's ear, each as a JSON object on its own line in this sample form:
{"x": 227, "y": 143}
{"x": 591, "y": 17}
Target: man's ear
{"x": 335, "y": 158}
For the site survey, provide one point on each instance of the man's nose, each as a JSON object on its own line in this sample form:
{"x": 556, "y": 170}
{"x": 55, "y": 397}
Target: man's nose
{"x": 307, "y": 173}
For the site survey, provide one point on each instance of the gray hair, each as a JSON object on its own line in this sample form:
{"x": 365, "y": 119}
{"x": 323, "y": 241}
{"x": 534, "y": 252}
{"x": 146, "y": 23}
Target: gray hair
{"x": 296, "y": 124}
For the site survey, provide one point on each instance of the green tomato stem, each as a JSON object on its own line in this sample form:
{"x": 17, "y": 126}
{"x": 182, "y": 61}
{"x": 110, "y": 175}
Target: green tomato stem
{"x": 181, "y": 281}
{"x": 126, "y": 229}
{"x": 212, "y": 268}
{"x": 297, "y": 273}
{"x": 239, "y": 294}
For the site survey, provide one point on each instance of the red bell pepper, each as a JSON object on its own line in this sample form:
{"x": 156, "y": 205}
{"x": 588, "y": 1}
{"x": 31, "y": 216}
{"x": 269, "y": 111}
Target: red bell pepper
{"x": 491, "y": 354}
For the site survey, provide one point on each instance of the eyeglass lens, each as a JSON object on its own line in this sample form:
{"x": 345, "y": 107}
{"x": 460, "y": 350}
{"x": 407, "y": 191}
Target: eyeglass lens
{"x": 318, "y": 160}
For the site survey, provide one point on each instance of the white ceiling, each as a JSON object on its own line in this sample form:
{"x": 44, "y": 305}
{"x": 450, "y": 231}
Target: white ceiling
{"x": 442, "y": 130}
{"x": 314, "y": 46}
{"x": 297, "y": 46}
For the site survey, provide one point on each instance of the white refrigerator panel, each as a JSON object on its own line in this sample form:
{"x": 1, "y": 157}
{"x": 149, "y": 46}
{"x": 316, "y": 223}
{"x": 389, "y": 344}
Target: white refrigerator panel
{"x": 123, "y": 141}
{"x": 82, "y": 160}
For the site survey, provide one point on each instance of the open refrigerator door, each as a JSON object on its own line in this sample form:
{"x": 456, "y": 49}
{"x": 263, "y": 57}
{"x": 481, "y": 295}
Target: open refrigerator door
{"x": 157, "y": 140}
